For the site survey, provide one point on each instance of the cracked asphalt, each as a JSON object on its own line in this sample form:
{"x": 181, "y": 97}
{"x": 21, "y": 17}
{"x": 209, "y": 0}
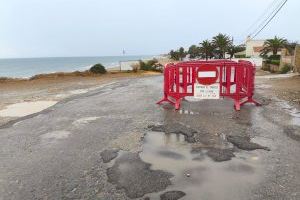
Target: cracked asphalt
{"x": 116, "y": 143}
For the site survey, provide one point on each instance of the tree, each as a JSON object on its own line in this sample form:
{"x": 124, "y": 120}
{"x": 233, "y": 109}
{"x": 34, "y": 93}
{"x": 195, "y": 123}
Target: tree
{"x": 232, "y": 49}
{"x": 174, "y": 55}
{"x": 273, "y": 45}
{"x": 182, "y": 53}
{"x": 178, "y": 54}
{"x": 194, "y": 51}
{"x": 222, "y": 43}
{"x": 206, "y": 49}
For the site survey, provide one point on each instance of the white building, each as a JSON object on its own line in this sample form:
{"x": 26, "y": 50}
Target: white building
{"x": 254, "y": 47}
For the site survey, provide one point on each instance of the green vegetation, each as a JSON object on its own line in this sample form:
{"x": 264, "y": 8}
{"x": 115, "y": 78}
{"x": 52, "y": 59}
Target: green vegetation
{"x": 98, "y": 69}
{"x": 207, "y": 49}
{"x": 194, "y": 51}
{"x": 286, "y": 68}
{"x": 150, "y": 65}
{"x": 221, "y": 42}
{"x": 215, "y": 48}
{"x": 240, "y": 56}
{"x": 235, "y": 49}
{"x": 178, "y": 54}
{"x": 273, "y": 45}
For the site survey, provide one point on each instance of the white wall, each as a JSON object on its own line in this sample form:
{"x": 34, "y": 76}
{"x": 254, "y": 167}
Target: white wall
{"x": 256, "y": 61}
{"x": 250, "y": 45}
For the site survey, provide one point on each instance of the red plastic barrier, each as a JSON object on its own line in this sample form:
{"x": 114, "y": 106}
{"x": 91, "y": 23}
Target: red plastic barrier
{"x": 235, "y": 80}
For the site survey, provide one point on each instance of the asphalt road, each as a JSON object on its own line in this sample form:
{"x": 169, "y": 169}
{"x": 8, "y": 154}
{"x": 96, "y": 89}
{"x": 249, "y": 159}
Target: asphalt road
{"x": 116, "y": 143}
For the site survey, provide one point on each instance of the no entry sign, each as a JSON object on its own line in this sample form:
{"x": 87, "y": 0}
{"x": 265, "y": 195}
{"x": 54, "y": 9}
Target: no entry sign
{"x": 207, "y": 88}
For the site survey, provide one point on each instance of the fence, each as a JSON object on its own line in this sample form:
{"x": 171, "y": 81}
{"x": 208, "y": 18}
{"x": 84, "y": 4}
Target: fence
{"x": 230, "y": 79}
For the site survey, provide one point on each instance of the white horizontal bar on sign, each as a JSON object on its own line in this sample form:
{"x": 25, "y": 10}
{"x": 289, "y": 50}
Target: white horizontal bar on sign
{"x": 207, "y": 74}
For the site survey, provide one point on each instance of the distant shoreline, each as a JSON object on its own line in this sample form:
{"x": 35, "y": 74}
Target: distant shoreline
{"x": 26, "y": 68}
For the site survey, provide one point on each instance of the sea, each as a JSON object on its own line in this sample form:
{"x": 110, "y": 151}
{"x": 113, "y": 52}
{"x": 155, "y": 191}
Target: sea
{"x": 28, "y": 67}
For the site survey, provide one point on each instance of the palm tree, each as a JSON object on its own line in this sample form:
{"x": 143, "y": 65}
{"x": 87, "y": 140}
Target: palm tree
{"x": 194, "y": 51}
{"x": 206, "y": 49}
{"x": 221, "y": 42}
{"x": 273, "y": 45}
{"x": 232, "y": 49}
{"x": 182, "y": 53}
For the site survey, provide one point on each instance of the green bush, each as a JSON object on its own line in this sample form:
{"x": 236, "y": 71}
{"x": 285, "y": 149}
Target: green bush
{"x": 285, "y": 69}
{"x": 274, "y": 62}
{"x": 151, "y": 65}
{"x": 274, "y": 57}
{"x": 98, "y": 69}
{"x": 240, "y": 56}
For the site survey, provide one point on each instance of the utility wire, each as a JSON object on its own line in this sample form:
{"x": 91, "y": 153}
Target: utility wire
{"x": 274, "y": 6}
{"x": 269, "y": 16}
{"x": 270, "y": 19}
{"x": 265, "y": 12}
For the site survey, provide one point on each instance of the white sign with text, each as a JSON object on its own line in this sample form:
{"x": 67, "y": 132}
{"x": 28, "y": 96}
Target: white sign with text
{"x": 207, "y": 91}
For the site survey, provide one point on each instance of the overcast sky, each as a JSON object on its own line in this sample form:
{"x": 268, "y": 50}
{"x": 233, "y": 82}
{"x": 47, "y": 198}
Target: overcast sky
{"x": 43, "y": 28}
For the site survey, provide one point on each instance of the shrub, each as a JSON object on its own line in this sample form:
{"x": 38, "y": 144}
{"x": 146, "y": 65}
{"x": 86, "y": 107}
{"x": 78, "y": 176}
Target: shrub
{"x": 151, "y": 65}
{"x": 275, "y": 62}
{"x": 98, "y": 69}
{"x": 285, "y": 69}
{"x": 274, "y": 57}
{"x": 240, "y": 56}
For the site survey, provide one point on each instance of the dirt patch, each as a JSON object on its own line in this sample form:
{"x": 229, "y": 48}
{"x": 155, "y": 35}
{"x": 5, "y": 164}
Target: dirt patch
{"x": 172, "y": 195}
{"x": 244, "y": 143}
{"x": 109, "y": 155}
{"x": 135, "y": 176}
{"x": 285, "y": 88}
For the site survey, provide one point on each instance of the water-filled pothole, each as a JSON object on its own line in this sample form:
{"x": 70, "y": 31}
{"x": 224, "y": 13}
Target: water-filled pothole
{"x": 195, "y": 173}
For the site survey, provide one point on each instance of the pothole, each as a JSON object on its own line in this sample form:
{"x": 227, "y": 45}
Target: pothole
{"x": 196, "y": 172}
{"x": 133, "y": 175}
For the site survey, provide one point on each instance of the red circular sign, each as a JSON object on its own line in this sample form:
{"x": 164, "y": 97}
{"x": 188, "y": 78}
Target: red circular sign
{"x": 207, "y": 75}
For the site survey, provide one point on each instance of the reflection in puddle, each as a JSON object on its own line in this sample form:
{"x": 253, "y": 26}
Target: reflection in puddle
{"x": 196, "y": 174}
{"x": 25, "y": 108}
{"x": 293, "y": 112}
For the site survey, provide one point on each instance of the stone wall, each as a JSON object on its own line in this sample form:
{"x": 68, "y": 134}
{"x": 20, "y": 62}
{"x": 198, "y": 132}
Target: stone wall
{"x": 297, "y": 59}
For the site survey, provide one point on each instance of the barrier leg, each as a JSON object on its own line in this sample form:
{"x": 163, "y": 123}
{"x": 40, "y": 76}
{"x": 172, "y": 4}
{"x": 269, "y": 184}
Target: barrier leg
{"x": 177, "y": 104}
{"x": 250, "y": 100}
{"x": 165, "y": 99}
{"x": 237, "y": 105}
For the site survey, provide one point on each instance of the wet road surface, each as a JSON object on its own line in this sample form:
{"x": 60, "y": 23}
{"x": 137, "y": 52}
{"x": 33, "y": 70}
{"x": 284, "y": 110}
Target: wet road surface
{"x": 115, "y": 143}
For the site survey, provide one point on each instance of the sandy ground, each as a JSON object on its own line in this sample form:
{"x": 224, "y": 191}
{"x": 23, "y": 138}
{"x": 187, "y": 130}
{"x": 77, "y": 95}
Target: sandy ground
{"x": 52, "y": 88}
{"x": 285, "y": 87}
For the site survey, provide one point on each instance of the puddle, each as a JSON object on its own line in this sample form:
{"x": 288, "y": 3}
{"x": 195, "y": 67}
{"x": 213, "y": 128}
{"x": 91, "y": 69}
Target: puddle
{"x": 197, "y": 175}
{"x": 292, "y": 111}
{"x": 25, "y": 108}
{"x": 84, "y": 121}
{"x": 79, "y": 91}
{"x": 263, "y": 86}
{"x": 56, "y": 135}
{"x": 83, "y": 91}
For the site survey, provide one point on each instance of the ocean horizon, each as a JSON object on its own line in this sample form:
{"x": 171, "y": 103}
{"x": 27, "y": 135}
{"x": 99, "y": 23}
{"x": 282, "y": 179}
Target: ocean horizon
{"x": 28, "y": 67}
